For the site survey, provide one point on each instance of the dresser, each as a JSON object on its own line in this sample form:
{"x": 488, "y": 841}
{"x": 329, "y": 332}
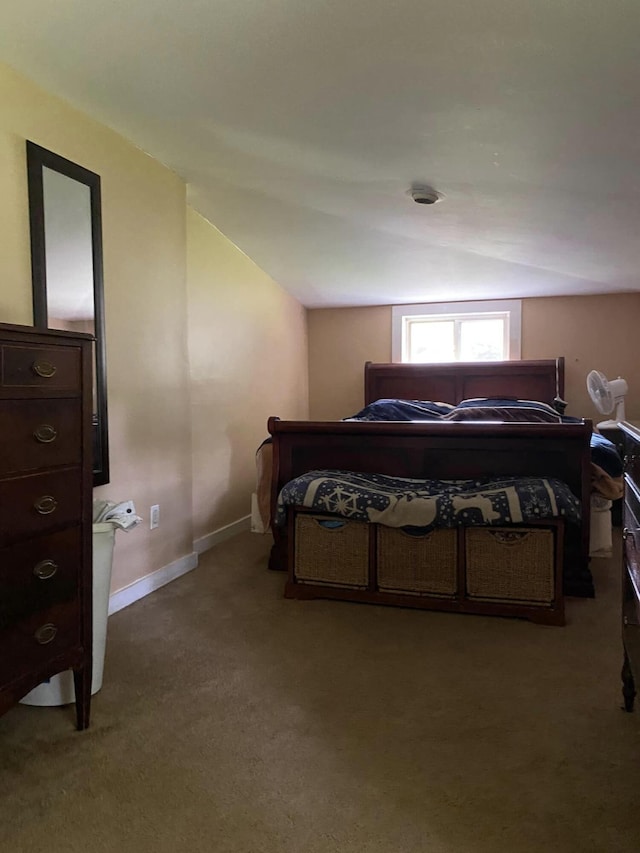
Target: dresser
{"x": 631, "y": 564}
{"x": 45, "y": 511}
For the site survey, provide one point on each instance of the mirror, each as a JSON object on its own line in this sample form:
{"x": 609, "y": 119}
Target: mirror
{"x": 66, "y": 268}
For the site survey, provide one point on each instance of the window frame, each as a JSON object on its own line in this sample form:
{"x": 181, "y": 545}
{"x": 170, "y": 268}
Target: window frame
{"x": 457, "y": 310}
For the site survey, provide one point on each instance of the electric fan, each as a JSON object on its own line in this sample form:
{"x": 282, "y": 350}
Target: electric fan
{"x": 607, "y": 395}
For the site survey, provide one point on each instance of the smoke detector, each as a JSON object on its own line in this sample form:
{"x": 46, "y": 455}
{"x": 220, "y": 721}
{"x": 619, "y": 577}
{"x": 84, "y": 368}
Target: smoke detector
{"x": 424, "y": 195}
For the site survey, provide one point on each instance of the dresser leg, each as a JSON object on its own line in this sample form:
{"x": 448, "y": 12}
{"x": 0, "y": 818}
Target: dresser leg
{"x": 628, "y": 684}
{"x": 82, "y": 684}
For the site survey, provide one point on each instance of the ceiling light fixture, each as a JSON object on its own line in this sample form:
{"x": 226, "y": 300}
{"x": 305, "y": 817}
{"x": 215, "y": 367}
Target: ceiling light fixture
{"x": 424, "y": 195}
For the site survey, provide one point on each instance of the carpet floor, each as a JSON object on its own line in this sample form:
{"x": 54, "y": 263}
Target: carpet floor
{"x": 232, "y": 720}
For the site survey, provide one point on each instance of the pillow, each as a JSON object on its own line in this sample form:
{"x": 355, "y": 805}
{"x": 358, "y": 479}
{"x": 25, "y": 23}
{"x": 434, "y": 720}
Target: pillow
{"x": 502, "y": 409}
{"x": 402, "y": 410}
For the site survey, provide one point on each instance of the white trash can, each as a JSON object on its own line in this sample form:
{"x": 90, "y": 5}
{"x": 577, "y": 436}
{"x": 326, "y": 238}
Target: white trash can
{"x": 600, "y": 538}
{"x": 59, "y": 689}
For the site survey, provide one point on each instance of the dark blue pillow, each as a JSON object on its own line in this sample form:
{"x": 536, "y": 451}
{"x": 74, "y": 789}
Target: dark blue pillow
{"x": 504, "y": 409}
{"x": 402, "y": 410}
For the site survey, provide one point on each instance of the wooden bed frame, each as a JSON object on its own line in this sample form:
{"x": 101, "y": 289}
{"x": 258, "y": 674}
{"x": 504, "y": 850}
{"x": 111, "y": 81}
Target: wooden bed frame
{"x": 444, "y": 450}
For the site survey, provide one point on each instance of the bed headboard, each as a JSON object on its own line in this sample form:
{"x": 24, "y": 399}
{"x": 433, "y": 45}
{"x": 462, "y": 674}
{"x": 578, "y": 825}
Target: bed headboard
{"x": 450, "y": 383}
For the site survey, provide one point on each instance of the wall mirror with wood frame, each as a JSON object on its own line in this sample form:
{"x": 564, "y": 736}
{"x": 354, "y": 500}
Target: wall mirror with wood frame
{"x": 65, "y": 217}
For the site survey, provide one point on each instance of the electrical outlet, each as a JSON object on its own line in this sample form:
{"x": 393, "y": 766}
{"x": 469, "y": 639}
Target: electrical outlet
{"x": 154, "y": 516}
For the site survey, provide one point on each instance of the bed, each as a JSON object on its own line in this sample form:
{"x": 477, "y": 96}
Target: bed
{"x": 445, "y": 450}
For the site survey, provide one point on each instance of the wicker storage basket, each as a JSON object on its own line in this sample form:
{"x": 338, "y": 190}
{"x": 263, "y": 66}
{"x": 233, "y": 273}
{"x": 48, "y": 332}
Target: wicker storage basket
{"x": 510, "y": 564}
{"x": 330, "y": 550}
{"x": 425, "y": 564}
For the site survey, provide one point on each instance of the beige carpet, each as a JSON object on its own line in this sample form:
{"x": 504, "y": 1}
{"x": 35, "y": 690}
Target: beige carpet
{"x": 234, "y": 721}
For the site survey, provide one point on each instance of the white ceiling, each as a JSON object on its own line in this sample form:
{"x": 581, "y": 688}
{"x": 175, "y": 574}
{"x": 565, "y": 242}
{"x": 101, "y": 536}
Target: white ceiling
{"x": 300, "y": 125}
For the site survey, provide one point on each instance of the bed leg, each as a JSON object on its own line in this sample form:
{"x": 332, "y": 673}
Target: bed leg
{"x": 278, "y": 555}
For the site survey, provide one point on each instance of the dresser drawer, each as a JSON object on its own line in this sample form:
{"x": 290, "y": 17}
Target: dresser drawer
{"x": 630, "y": 602}
{"x": 40, "y": 367}
{"x": 39, "y": 573}
{"x": 39, "y": 638}
{"x": 39, "y": 434}
{"x": 632, "y": 460}
{"x": 631, "y": 531}
{"x": 39, "y": 503}
{"x": 631, "y": 622}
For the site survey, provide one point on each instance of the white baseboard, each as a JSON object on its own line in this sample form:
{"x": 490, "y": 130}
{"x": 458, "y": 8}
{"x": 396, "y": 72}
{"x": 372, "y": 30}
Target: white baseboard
{"x": 149, "y": 583}
{"x": 205, "y": 542}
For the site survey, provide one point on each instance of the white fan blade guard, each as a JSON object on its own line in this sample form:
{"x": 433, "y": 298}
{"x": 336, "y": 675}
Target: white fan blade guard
{"x": 607, "y": 395}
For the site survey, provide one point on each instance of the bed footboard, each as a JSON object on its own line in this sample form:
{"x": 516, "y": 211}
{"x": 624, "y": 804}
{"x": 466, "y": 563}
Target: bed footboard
{"x": 446, "y": 451}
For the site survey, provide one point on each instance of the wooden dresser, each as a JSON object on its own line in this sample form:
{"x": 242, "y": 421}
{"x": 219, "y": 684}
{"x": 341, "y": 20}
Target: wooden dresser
{"x": 45, "y": 512}
{"x": 631, "y": 564}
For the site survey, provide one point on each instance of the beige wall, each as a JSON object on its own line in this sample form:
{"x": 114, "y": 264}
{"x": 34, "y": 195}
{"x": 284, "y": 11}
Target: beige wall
{"x": 248, "y": 356}
{"x": 340, "y": 341}
{"x": 589, "y": 331}
{"x": 149, "y": 382}
{"x": 144, "y": 235}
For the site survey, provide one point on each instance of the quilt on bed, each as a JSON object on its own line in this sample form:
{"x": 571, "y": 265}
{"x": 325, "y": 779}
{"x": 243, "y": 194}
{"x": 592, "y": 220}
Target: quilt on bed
{"x": 427, "y": 504}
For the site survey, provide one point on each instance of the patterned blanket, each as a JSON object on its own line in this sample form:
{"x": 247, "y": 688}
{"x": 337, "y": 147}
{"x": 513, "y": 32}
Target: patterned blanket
{"x": 426, "y": 504}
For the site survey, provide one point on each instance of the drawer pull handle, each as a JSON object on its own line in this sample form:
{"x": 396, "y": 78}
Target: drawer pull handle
{"x": 45, "y": 569}
{"x": 630, "y": 532}
{"x": 46, "y": 634}
{"x": 45, "y": 369}
{"x": 46, "y": 505}
{"x": 45, "y": 433}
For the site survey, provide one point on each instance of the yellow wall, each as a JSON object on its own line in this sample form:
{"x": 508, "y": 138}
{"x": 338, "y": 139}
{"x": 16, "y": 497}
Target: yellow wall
{"x": 589, "y": 331}
{"x": 340, "y": 341}
{"x": 149, "y": 383}
{"x": 247, "y": 346}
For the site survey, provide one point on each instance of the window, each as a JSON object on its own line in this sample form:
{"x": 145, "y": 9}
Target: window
{"x": 457, "y": 331}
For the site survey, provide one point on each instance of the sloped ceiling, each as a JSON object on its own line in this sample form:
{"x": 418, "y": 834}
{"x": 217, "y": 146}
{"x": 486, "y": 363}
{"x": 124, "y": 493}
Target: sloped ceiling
{"x": 300, "y": 125}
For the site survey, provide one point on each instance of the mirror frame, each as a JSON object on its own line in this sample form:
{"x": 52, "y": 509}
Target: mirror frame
{"x": 37, "y": 159}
